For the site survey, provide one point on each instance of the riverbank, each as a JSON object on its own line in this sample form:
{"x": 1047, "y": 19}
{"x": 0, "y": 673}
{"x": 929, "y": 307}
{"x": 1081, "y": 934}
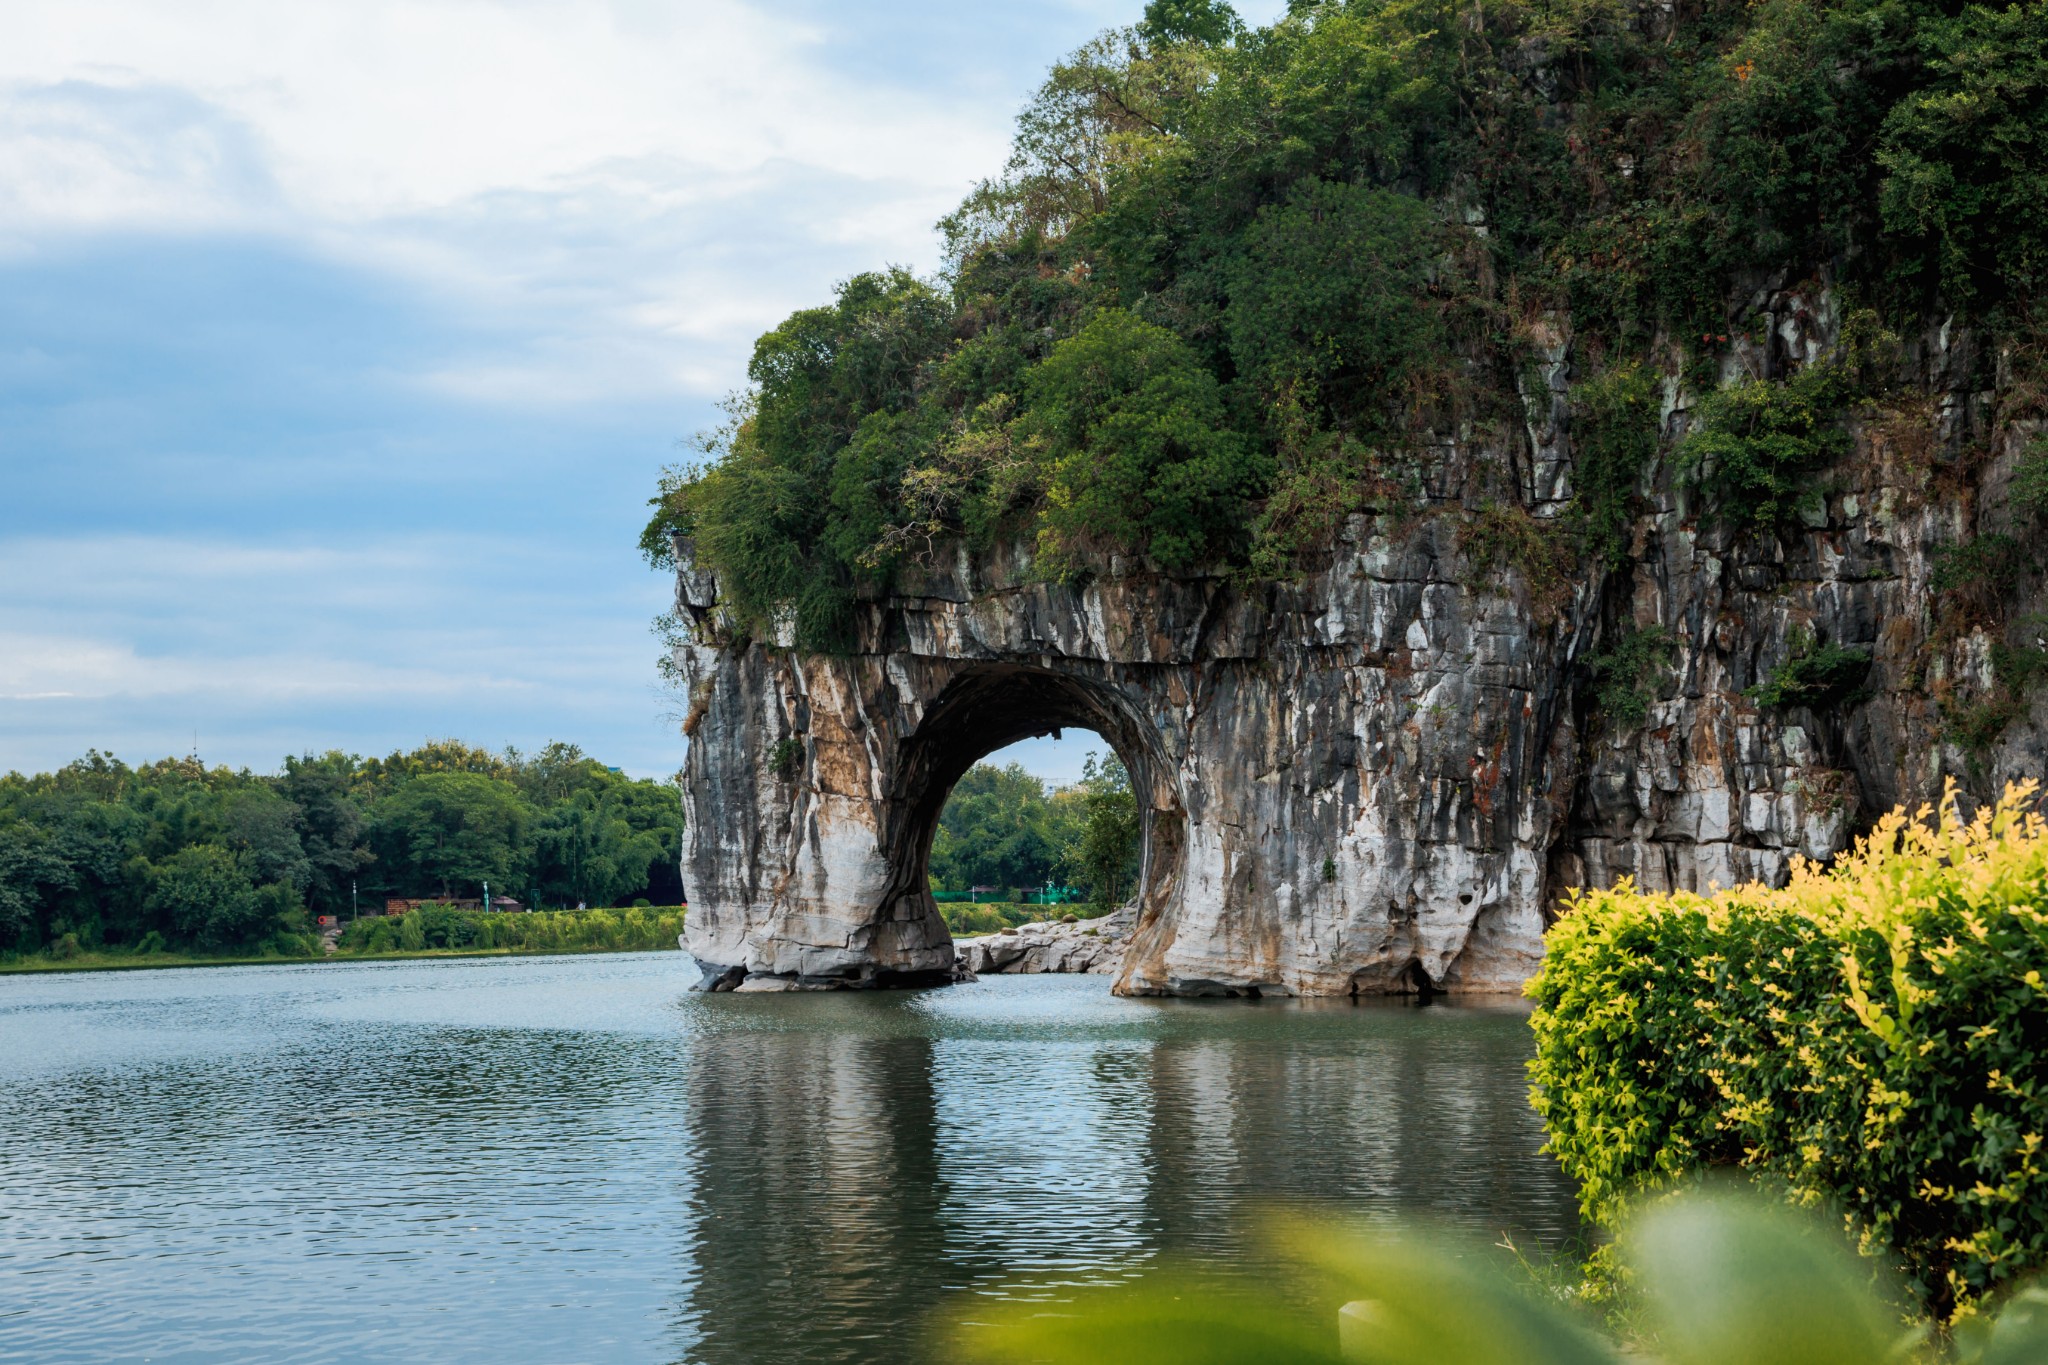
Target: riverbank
{"x": 131, "y": 962}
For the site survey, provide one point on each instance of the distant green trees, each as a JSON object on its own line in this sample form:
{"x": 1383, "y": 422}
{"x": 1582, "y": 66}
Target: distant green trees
{"x": 451, "y": 829}
{"x": 176, "y": 854}
{"x": 1002, "y": 828}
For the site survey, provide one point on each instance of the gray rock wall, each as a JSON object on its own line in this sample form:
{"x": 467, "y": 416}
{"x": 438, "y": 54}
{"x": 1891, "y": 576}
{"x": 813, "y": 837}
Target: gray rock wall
{"x": 1349, "y": 781}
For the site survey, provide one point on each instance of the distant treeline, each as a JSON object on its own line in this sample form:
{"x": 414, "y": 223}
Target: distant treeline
{"x": 178, "y": 855}
{"x": 1002, "y": 828}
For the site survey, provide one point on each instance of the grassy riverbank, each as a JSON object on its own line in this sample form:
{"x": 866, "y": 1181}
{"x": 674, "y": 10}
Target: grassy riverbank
{"x": 431, "y": 931}
{"x": 129, "y": 962}
{"x": 117, "y": 960}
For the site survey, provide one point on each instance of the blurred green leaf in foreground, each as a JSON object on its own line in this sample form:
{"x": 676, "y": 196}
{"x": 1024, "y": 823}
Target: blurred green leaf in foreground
{"x": 1723, "y": 1280}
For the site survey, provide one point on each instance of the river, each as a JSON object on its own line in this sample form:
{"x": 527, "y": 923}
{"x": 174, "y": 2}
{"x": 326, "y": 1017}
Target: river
{"x": 574, "y": 1159}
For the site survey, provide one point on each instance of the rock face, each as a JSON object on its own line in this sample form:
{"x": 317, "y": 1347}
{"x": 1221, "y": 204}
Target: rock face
{"x": 1383, "y": 775}
{"x": 1093, "y": 946}
{"x": 1350, "y": 783}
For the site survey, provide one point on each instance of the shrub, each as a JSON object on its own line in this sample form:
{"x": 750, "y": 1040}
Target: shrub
{"x": 205, "y": 896}
{"x": 1872, "y": 1035}
{"x": 1815, "y": 675}
{"x": 1138, "y": 450}
{"x": 1977, "y": 725}
{"x": 1327, "y": 292}
{"x": 1992, "y": 561}
{"x": 2028, "y": 492}
{"x": 1499, "y": 537}
{"x": 1966, "y": 155}
{"x": 1755, "y": 446}
{"x": 1627, "y": 675}
{"x": 439, "y": 926}
{"x": 1614, "y": 438}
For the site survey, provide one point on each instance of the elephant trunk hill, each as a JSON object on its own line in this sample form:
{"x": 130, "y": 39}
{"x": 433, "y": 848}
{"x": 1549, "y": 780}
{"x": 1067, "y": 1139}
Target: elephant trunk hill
{"x": 1453, "y": 454}
{"x": 1380, "y": 777}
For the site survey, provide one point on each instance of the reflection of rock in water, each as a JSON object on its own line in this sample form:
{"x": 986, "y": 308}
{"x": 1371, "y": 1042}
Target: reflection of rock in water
{"x": 816, "y": 1193}
{"x": 855, "y": 1153}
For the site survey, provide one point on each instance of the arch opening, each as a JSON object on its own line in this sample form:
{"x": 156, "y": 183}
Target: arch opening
{"x": 1040, "y": 830}
{"x": 985, "y": 711}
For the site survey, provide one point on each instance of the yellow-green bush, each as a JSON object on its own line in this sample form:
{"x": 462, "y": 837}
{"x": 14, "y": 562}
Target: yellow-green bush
{"x": 1873, "y": 1035}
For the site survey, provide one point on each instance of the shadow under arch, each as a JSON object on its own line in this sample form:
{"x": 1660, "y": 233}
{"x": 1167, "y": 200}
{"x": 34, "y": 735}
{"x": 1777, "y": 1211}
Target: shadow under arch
{"x": 989, "y": 708}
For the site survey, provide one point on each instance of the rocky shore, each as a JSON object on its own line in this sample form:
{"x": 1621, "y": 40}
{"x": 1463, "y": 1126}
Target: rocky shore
{"x": 1086, "y": 946}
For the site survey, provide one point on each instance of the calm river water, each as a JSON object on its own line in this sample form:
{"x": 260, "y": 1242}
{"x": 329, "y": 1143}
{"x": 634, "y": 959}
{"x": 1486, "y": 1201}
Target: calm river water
{"x": 571, "y": 1159}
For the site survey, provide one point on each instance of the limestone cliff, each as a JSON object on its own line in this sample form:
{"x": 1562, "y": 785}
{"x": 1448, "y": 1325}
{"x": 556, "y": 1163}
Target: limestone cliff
{"x": 1382, "y": 775}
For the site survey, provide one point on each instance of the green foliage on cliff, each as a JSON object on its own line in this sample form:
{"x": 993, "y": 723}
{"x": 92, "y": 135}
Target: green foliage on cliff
{"x": 1615, "y": 421}
{"x": 1756, "y": 446}
{"x": 1627, "y": 674}
{"x": 1235, "y": 285}
{"x": 1814, "y": 674}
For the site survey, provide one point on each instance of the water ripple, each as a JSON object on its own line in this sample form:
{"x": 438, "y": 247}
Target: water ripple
{"x": 571, "y": 1159}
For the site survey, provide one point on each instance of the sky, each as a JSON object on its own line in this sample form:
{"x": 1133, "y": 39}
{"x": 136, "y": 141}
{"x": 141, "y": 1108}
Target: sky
{"x": 341, "y": 342}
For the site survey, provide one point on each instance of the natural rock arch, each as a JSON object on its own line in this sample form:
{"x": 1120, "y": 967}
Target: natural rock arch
{"x": 1322, "y": 767}
{"x": 1390, "y": 767}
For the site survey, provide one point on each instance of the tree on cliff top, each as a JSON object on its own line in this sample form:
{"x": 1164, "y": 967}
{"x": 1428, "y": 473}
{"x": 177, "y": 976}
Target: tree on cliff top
{"x": 1335, "y": 247}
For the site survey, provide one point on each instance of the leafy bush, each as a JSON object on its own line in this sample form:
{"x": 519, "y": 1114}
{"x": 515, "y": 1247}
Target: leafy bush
{"x": 1815, "y": 675}
{"x": 1756, "y": 446}
{"x": 1327, "y": 292}
{"x": 1614, "y": 438}
{"x": 1138, "y": 451}
{"x": 1966, "y": 155}
{"x": 1872, "y": 1035}
{"x": 1105, "y": 857}
{"x": 2028, "y": 492}
{"x": 969, "y": 918}
{"x": 1499, "y": 537}
{"x": 440, "y": 926}
{"x": 1989, "y": 562}
{"x": 1627, "y": 674}
{"x": 206, "y": 897}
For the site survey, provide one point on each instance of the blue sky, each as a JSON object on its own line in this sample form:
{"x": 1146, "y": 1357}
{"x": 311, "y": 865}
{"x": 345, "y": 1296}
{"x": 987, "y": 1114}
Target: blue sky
{"x": 341, "y": 341}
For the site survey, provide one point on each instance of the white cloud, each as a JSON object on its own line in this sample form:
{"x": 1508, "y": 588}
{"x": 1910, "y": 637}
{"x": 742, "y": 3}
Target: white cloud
{"x": 642, "y": 186}
{"x": 372, "y": 108}
{"x": 593, "y": 207}
{"x": 131, "y": 643}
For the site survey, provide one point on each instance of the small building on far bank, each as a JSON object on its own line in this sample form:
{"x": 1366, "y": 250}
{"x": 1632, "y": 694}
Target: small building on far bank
{"x": 399, "y": 905}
